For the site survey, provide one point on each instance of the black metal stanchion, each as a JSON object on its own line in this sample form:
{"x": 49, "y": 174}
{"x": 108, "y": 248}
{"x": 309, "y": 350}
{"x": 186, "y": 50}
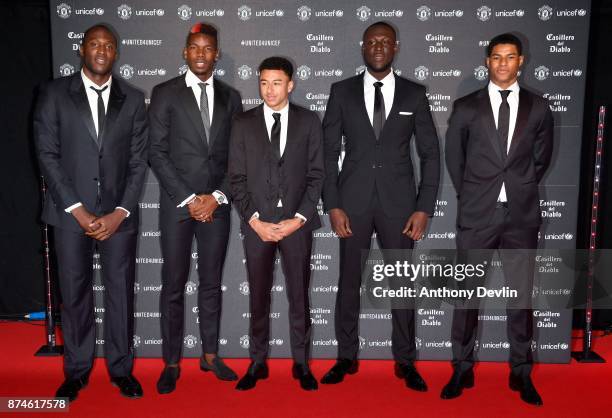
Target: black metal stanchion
{"x": 50, "y": 348}
{"x": 587, "y": 355}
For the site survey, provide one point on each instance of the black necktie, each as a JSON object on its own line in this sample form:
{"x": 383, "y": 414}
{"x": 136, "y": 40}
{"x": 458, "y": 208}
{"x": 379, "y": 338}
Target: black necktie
{"x": 275, "y": 135}
{"x": 204, "y": 110}
{"x": 503, "y": 122}
{"x": 378, "y": 119}
{"x": 101, "y": 110}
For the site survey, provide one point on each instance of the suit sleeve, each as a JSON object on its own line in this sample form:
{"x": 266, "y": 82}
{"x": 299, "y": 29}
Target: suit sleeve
{"x": 237, "y": 172}
{"x": 316, "y": 171}
{"x": 159, "y": 154}
{"x": 332, "y": 145}
{"x": 137, "y": 165}
{"x": 48, "y": 150}
{"x": 236, "y": 108}
{"x": 543, "y": 144}
{"x": 428, "y": 149}
{"x": 456, "y": 138}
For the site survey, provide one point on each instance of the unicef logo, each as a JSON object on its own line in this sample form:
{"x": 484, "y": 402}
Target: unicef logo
{"x": 421, "y": 72}
{"x": 339, "y": 13}
{"x": 190, "y": 341}
{"x": 303, "y": 72}
{"x": 190, "y": 288}
{"x": 360, "y": 69}
{"x": 126, "y": 71}
{"x": 279, "y": 13}
{"x": 448, "y": 344}
{"x": 66, "y": 70}
{"x": 244, "y": 288}
{"x": 244, "y": 341}
{"x": 481, "y": 73}
{"x": 397, "y": 72}
{"x": 136, "y": 287}
{"x": 184, "y": 12}
{"x": 244, "y": 12}
{"x": 99, "y": 11}
{"x": 545, "y": 12}
{"x": 303, "y": 13}
{"x": 541, "y": 73}
{"x": 506, "y": 345}
{"x": 534, "y": 345}
{"x": 582, "y": 12}
{"x": 160, "y": 12}
{"x": 219, "y": 72}
{"x": 362, "y": 342}
{"x": 459, "y": 12}
{"x": 451, "y": 235}
{"x": 535, "y": 291}
{"x": 64, "y": 11}
{"x": 483, "y": 13}
{"x": 476, "y": 345}
{"x": 418, "y": 342}
{"x": 568, "y": 236}
{"x": 520, "y": 13}
{"x": 363, "y": 13}
{"x": 183, "y": 69}
{"x": 222, "y": 341}
{"x": 577, "y": 72}
{"x": 244, "y": 72}
{"x": 124, "y": 12}
{"x": 338, "y": 72}
{"x": 564, "y": 346}
{"x": 136, "y": 341}
{"x": 423, "y": 13}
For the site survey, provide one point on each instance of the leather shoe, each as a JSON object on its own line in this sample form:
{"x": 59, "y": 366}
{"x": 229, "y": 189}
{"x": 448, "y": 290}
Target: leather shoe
{"x": 167, "y": 380}
{"x": 70, "y": 388}
{"x": 342, "y": 367}
{"x": 128, "y": 386}
{"x": 458, "y": 382}
{"x": 410, "y": 375}
{"x": 255, "y": 372}
{"x": 303, "y": 373}
{"x": 524, "y": 385}
{"x": 219, "y": 368}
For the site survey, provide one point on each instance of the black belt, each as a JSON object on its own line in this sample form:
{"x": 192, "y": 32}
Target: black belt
{"x": 500, "y": 205}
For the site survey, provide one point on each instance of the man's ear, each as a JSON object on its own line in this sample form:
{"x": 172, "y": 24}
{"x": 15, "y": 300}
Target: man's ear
{"x": 290, "y": 86}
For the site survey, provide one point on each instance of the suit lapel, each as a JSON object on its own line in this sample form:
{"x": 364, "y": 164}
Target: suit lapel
{"x": 293, "y": 123}
{"x": 488, "y": 121}
{"x": 79, "y": 97}
{"x": 115, "y": 102}
{"x": 219, "y": 111}
{"x": 261, "y": 132}
{"x": 190, "y": 105}
{"x": 360, "y": 100}
{"x": 522, "y": 116}
{"x": 397, "y": 95}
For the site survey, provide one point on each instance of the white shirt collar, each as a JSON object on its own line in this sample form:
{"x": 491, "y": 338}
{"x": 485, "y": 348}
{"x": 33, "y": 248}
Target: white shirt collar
{"x": 192, "y": 80}
{"x": 494, "y": 88}
{"x": 88, "y": 83}
{"x": 388, "y": 80}
{"x": 268, "y": 110}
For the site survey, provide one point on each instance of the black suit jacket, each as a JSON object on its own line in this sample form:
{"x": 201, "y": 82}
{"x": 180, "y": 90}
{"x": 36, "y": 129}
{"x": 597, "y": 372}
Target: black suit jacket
{"x": 180, "y": 157}
{"x": 385, "y": 164}
{"x": 302, "y": 165}
{"x": 73, "y": 162}
{"x": 476, "y": 167}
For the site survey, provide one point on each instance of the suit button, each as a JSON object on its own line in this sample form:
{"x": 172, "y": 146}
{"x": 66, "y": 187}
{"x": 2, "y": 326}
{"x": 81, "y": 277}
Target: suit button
{"x": 380, "y": 165}
{"x": 373, "y": 165}
{"x": 209, "y": 158}
{"x": 99, "y": 157}
{"x": 95, "y": 179}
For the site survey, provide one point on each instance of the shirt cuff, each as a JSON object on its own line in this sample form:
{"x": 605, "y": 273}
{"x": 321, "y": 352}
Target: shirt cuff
{"x": 72, "y": 207}
{"x": 220, "y": 197}
{"x": 186, "y": 201}
{"x": 254, "y": 216}
{"x": 302, "y": 217}
{"x": 125, "y": 210}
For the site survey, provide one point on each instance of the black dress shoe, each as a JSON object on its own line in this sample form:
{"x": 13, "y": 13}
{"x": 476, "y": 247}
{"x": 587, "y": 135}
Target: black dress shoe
{"x": 524, "y": 385}
{"x": 167, "y": 380}
{"x": 457, "y": 383}
{"x": 219, "y": 368}
{"x": 249, "y": 380}
{"x": 410, "y": 375}
{"x": 303, "y": 373}
{"x": 342, "y": 367}
{"x": 128, "y": 386}
{"x": 70, "y": 388}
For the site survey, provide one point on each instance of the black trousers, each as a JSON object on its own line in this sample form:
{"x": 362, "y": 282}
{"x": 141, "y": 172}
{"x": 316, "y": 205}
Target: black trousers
{"x": 295, "y": 253}
{"x": 75, "y": 267}
{"x": 518, "y": 268}
{"x": 389, "y": 232}
{"x": 176, "y": 241}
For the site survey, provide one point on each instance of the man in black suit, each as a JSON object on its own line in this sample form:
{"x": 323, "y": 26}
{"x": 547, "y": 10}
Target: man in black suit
{"x": 190, "y": 119}
{"x": 91, "y": 137}
{"x": 276, "y": 175}
{"x": 377, "y": 113}
{"x": 498, "y": 146}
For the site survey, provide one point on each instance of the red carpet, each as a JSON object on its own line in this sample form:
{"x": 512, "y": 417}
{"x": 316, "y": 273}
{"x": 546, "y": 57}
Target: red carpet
{"x": 574, "y": 390}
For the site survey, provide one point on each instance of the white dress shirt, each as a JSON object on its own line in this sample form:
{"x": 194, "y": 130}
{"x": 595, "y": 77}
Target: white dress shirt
{"x": 92, "y": 99}
{"x": 513, "y": 102}
{"x": 192, "y": 81}
{"x": 387, "y": 89}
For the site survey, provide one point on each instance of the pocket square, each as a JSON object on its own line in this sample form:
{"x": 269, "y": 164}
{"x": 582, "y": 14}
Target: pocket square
{"x": 405, "y": 113}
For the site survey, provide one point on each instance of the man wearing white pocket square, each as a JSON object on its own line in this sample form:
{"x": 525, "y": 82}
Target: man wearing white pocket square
{"x": 378, "y": 113}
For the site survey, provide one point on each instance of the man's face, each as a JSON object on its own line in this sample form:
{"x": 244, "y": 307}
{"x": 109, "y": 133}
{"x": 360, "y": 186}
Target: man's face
{"x": 274, "y": 87}
{"x": 99, "y": 52}
{"x": 201, "y": 54}
{"x": 504, "y": 64}
{"x": 379, "y": 48}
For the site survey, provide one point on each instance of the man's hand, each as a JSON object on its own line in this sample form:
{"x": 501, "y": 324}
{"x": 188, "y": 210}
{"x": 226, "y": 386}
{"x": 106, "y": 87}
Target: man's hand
{"x": 268, "y": 232}
{"x": 416, "y": 225}
{"x": 85, "y": 219}
{"x": 340, "y": 223}
{"x": 289, "y": 226}
{"x": 202, "y": 207}
{"x": 105, "y": 226}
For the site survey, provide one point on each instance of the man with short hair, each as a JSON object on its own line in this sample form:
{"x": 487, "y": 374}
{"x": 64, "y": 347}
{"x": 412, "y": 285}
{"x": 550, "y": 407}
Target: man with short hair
{"x": 90, "y": 132}
{"x": 276, "y": 175}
